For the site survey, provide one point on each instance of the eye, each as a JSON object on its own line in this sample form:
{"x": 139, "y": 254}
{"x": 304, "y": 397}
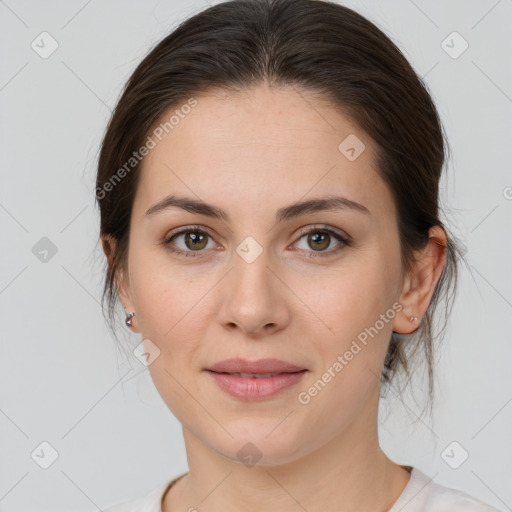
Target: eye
{"x": 319, "y": 238}
{"x": 193, "y": 241}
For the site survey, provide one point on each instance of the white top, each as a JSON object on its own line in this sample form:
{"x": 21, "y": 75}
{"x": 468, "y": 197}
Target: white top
{"x": 421, "y": 494}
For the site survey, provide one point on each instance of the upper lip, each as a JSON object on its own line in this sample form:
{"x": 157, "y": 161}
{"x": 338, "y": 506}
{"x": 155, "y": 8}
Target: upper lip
{"x": 238, "y": 365}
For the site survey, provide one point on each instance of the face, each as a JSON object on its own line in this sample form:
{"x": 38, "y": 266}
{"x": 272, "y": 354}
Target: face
{"x": 314, "y": 287}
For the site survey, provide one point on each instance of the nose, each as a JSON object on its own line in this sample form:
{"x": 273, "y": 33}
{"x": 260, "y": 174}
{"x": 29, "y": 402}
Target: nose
{"x": 253, "y": 298}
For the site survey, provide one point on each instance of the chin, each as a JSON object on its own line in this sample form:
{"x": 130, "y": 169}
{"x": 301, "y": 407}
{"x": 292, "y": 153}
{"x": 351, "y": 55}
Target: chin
{"x": 258, "y": 447}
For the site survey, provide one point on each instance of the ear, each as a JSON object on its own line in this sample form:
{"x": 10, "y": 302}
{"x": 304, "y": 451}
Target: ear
{"x": 420, "y": 282}
{"x": 121, "y": 279}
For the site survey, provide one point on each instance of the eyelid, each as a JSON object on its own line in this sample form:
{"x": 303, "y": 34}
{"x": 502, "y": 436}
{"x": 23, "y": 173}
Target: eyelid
{"x": 186, "y": 229}
{"x": 325, "y": 227}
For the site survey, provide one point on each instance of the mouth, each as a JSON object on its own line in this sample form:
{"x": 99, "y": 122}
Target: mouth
{"x": 256, "y": 386}
{"x": 259, "y": 367}
{"x": 256, "y": 375}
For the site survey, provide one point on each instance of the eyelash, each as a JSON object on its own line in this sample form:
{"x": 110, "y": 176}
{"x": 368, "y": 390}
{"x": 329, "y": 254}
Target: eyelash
{"x": 344, "y": 242}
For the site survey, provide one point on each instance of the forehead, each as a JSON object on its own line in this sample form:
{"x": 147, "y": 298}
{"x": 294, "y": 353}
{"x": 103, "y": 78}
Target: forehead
{"x": 238, "y": 148}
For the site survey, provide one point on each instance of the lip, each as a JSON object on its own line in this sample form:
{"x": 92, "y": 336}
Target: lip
{"x": 227, "y": 376}
{"x": 238, "y": 365}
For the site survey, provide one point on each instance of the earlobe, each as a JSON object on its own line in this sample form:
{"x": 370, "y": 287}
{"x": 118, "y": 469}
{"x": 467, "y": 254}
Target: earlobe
{"x": 129, "y": 316}
{"x": 123, "y": 287}
{"x": 420, "y": 283}
{"x": 407, "y": 319}
{"x": 121, "y": 281}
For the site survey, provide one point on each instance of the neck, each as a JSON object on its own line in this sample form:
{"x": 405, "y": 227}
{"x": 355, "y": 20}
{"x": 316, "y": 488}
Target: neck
{"x": 349, "y": 473}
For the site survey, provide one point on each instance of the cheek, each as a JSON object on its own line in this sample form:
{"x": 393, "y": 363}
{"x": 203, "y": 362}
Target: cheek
{"x": 355, "y": 297}
{"x": 166, "y": 296}
{"x": 356, "y": 309}
{"x": 359, "y": 311}
{"x": 169, "y": 314}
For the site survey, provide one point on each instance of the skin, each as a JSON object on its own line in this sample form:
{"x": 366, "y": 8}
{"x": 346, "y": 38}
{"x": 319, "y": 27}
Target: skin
{"x": 258, "y": 151}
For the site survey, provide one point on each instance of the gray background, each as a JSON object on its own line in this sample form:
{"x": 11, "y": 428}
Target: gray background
{"x": 62, "y": 378}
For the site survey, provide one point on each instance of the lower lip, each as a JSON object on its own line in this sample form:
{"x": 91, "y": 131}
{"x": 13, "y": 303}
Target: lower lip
{"x": 253, "y": 388}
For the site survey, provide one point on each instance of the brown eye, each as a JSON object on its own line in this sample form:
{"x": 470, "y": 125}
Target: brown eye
{"x": 319, "y": 241}
{"x": 195, "y": 240}
{"x": 188, "y": 242}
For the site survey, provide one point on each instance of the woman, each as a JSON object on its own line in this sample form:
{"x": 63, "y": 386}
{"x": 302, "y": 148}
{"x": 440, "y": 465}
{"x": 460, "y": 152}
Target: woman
{"x": 268, "y": 188}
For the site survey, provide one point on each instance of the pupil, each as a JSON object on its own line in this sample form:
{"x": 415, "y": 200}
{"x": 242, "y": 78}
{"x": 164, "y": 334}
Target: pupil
{"x": 195, "y": 238}
{"x": 319, "y": 237}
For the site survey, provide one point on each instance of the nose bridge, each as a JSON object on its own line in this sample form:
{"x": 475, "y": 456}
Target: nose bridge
{"x": 253, "y": 299}
{"x": 251, "y": 275}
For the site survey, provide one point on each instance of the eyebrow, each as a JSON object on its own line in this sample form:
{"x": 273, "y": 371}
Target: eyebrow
{"x": 328, "y": 203}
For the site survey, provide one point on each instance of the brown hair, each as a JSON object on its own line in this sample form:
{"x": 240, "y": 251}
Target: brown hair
{"x": 322, "y": 47}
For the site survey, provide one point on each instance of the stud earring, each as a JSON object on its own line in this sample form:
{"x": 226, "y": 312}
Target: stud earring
{"x": 128, "y": 320}
{"x": 413, "y": 319}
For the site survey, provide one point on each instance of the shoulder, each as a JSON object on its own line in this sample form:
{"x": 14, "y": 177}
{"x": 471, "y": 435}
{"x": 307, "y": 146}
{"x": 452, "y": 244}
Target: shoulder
{"x": 429, "y": 496}
{"x": 447, "y": 499}
{"x": 150, "y": 502}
